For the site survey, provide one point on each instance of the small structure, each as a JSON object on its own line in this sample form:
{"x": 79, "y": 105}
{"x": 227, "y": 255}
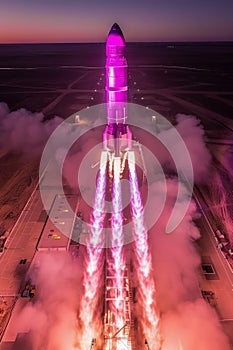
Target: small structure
{"x": 53, "y": 238}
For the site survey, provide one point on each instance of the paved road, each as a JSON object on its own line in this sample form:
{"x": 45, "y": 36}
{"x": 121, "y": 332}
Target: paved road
{"x": 221, "y": 283}
{"x": 21, "y": 244}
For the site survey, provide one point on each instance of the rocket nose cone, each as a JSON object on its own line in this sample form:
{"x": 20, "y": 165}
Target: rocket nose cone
{"x": 116, "y": 30}
{"x": 115, "y": 36}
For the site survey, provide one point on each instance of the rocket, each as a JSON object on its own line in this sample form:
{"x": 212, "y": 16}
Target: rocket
{"x": 117, "y": 137}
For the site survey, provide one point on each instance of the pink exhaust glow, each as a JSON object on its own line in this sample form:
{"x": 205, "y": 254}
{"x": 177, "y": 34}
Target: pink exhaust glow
{"x": 146, "y": 283}
{"x": 93, "y": 271}
{"x": 117, "y": 244}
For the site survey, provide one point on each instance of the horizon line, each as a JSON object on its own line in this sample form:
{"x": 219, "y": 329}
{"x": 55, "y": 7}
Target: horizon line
{"x": 128, "y": 42}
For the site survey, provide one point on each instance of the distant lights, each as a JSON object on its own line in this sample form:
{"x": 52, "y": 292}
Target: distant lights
{"x": 54, "y": 236}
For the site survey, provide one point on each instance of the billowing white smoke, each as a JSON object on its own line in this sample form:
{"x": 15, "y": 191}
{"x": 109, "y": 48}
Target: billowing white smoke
{"x": 186, "y": 320}
{"x": 185, "y": 317}
{"x": 193, "y": 325}
{"x": 192, "y": 133}
{"x": 23, "y": 131}
{"x": 52, "y": 320}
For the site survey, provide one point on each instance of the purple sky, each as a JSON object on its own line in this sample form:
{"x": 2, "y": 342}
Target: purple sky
{"x": 90, "y": 20}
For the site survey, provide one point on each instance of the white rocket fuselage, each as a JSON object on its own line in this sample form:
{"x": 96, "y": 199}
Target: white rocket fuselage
{"x": 117, "y": 137}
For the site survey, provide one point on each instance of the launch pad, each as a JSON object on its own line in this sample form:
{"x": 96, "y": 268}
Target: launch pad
{"x": 114, "y": 337}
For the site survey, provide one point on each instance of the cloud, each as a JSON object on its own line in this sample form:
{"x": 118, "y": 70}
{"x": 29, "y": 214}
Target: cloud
{"x": 193, "y": 135}
{"x": 51, "y": 321}
{"x": 193, "y": 325}
{"x": 186, "y": 319}
{"x": 24, "y": 132}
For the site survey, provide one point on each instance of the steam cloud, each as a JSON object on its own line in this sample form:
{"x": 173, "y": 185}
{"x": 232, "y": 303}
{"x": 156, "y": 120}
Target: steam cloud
{"x": 186, "y": 319}
{"x": 52, "y": 320}
{"x": 23, "y": 131}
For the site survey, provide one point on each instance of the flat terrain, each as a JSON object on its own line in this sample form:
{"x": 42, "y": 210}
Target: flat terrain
{"x": 62, "y": 79}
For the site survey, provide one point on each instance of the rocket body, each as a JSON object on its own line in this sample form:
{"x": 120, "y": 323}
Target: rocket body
{"x": 117, "y": 136}
{"x": 116, "y": 76}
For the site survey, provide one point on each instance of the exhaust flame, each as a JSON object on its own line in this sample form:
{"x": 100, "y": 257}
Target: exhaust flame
{"x": 123, "y": 163}
{"x": 94, "y": 255}
{"x": 116, "y": 265}
{"x": 146, "y": 283}
{"x": 117, "y": 244}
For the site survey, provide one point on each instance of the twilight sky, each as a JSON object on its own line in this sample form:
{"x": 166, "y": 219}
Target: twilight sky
{"x": 90, "y": 20}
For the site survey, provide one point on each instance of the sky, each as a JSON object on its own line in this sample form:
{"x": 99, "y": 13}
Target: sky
{"x": 31, "y": 21}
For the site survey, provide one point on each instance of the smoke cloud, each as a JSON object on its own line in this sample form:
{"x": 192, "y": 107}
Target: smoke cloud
{"x": 193, "y": 325}
{"x": 51, "y": 321}
{"x": 187, "y": 321}
{"x": 23, "y": 131}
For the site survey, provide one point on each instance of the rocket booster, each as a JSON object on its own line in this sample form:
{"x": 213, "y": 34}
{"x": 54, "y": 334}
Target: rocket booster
{"x": 117, "y": 136}
{"x": 116, "y": 76}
